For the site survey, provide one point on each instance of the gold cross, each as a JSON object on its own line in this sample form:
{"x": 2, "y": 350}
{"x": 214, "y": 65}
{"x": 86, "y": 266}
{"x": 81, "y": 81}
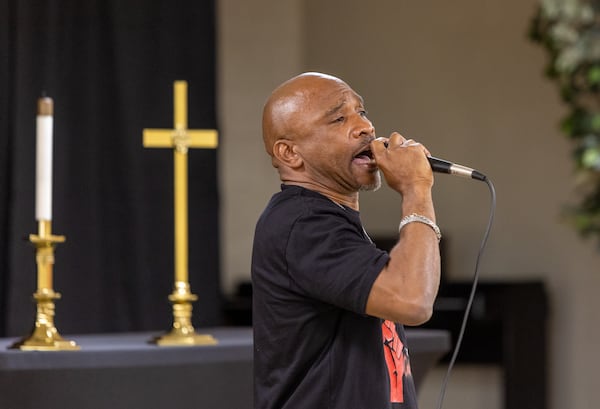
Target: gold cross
{"x": 180, "y": 139}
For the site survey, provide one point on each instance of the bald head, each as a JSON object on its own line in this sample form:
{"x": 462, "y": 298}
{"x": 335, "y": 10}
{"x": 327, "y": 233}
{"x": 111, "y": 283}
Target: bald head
{"x": 289, "y": 104}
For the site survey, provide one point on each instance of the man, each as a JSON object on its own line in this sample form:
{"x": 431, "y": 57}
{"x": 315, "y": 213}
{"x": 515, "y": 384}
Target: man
{"x": 328, "y": 305}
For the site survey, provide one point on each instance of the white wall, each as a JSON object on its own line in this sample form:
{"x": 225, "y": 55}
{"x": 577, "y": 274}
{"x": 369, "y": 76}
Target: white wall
{"x": 462, "y": 78}
{"x": 259, "y": 46}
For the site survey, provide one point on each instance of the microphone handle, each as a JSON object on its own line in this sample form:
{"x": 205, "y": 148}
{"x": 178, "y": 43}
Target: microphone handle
{"x": 443, "y": 166}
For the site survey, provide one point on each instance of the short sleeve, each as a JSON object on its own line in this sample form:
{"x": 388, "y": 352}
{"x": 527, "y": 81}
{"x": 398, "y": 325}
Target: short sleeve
{"x": 331, "y": 259}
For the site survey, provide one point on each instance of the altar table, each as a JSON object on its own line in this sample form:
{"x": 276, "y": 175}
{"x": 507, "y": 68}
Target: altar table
{"x": 125, "y": 371}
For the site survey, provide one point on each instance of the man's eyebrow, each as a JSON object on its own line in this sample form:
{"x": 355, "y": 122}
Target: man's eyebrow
{"x": 341, "y": 104}
{"x": 336, "y": 108}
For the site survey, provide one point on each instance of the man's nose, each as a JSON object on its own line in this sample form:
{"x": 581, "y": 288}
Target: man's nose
{"x": 364, "y": 128}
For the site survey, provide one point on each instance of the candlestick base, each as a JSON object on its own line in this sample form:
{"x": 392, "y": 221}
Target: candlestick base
{"x": 45, "y": 336}
{"x": 182, "y": 333}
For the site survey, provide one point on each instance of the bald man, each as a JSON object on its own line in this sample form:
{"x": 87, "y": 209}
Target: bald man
{"x": 329, "y": 307}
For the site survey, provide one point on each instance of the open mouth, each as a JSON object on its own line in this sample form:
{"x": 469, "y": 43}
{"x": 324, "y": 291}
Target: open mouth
{"x": 364, "y": 157}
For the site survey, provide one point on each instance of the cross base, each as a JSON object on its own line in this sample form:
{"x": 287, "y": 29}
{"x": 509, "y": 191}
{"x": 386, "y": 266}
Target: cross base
{"x": 174, "y": 338}
{"x": 183, "y": 333}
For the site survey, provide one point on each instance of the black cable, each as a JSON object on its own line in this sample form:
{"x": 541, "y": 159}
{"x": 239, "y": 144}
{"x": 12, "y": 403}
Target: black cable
{"x": 472, "y": 294}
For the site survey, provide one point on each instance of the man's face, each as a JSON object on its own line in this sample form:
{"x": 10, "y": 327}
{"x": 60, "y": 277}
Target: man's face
{"x": 334, "y": 135}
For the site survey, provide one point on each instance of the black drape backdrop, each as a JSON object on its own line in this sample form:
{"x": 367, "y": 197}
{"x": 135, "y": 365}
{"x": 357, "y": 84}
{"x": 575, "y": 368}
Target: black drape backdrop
{"x": 109, "y": 65}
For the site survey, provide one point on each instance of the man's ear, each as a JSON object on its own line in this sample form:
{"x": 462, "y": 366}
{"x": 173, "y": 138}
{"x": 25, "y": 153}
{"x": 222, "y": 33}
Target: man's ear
{"x": 285, "y": 152}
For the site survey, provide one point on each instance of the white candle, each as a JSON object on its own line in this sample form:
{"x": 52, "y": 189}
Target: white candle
{"x": 43, "y": 168}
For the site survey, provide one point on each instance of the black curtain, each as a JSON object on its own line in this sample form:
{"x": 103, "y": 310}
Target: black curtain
{"x": 109, "y": 66}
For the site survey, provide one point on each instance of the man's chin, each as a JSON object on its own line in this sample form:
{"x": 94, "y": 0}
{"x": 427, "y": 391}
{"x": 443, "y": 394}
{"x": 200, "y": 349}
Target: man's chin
{"x": 374, "y": 185}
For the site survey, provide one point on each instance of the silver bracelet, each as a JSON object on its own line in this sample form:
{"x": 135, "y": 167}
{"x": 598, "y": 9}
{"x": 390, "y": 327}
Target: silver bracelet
{"x": 414, "y": 217}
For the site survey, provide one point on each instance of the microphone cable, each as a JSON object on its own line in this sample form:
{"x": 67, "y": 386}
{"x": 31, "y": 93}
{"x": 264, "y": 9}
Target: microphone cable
{"x": 472, "y": 293}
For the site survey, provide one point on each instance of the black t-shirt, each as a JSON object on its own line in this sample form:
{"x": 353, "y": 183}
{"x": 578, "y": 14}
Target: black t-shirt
{"x": 313, "y": 267}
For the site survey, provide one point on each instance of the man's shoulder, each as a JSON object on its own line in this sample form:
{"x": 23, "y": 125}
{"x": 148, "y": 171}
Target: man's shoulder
{"x": 300, "y": 201}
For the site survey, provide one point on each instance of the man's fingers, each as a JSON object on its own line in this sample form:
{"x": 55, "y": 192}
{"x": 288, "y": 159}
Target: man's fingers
{"x": 395, "y": 140}
{"x": 379, "y": 146}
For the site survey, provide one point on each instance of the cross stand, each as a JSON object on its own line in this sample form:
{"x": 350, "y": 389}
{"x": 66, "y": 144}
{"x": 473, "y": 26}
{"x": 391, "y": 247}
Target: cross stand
{"x": 180, "y": 139}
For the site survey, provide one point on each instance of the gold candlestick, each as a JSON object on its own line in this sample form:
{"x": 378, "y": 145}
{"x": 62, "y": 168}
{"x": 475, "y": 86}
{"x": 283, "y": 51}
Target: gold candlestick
{"x": 45, "y": 336}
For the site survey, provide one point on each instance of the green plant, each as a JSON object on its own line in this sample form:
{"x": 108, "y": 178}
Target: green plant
{"x": 570, "y": 31}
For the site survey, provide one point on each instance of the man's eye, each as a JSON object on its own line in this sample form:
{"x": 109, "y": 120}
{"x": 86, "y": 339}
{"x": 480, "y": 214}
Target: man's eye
{"x": 339, "y": 119}
{"x": 362, "y": 112}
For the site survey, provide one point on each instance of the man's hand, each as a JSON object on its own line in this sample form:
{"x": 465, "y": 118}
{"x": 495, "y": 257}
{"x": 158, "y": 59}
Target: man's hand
{"x": 404, "y": 163}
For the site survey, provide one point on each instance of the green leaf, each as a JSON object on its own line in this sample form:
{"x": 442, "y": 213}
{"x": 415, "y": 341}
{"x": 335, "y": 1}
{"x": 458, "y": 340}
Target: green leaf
{"x": 595, "y": 122}
{"x": 593, "y": 75}
{"x": 591, "y": 158}
{"x": 567, "y": 125}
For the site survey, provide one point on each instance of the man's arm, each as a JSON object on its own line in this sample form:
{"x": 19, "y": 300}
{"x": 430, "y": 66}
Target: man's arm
{"x": 406, "y": 287}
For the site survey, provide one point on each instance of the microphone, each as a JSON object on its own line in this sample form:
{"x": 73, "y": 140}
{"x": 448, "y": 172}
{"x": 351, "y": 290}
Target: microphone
{"x": 443, "y": 166}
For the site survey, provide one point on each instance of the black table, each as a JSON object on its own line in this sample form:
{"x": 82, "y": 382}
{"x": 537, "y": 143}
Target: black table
{"x": 126, "y": 371}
